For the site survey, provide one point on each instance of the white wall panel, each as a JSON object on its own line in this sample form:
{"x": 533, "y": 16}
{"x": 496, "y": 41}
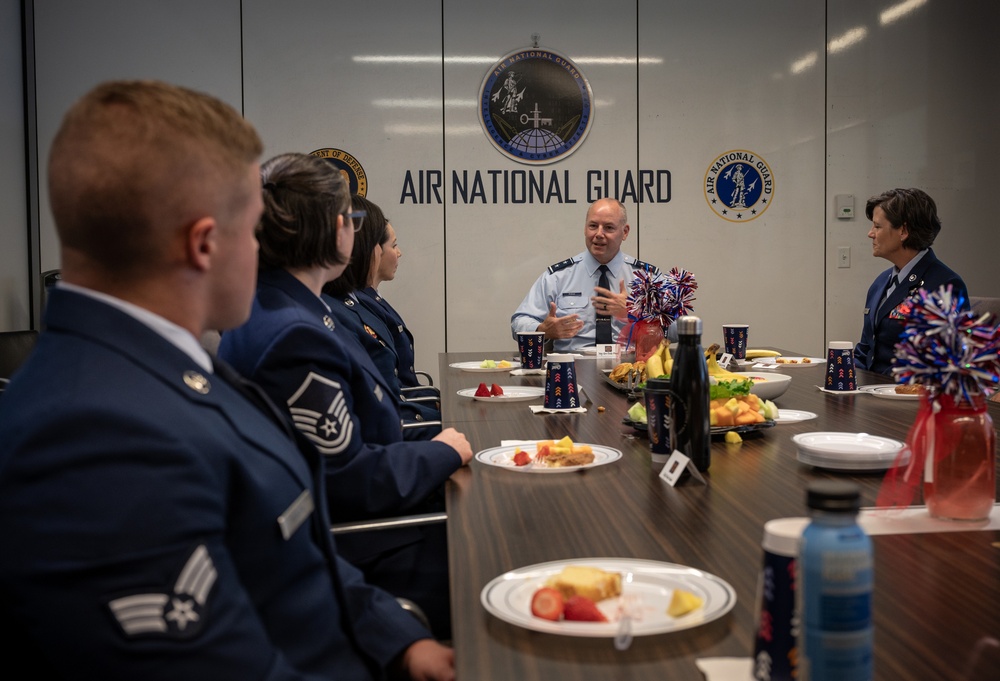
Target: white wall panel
{"x": 80, "y": 44}
{"x": 913, "y": 103}
{"x": 719, "y": 76}
{"x": 14, "y": 263}
{"x": 368, "y": 83}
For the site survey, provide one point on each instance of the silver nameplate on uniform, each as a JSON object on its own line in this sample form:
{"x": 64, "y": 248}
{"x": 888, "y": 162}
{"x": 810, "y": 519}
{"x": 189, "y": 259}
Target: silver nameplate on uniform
{"x": 295, "y": 515}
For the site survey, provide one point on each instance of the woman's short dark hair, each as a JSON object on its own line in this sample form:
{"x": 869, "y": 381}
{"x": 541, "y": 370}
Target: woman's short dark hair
{"x": 910, "y": 207}
{"x": 303, "y": 195}
{"x": 374, "y": 232}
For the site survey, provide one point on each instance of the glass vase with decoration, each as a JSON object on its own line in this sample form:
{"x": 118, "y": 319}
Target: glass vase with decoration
{"x": 952, "y": 355}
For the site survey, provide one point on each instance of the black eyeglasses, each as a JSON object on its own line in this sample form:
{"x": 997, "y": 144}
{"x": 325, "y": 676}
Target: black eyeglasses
{"x": 357, "y": 218}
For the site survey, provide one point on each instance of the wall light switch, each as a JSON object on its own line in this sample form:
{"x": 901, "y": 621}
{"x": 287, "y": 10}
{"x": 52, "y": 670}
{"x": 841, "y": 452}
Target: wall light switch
{"x": 844, "y": 256}
{"x": 844, "y": 206}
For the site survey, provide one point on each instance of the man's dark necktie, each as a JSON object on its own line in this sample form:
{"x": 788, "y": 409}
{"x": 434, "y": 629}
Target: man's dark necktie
{"x": 603, "y": 321}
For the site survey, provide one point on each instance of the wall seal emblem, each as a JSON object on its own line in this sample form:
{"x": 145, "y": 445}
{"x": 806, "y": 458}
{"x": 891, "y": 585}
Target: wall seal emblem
{"x": 536, "y": 106}
{"x": 348, "y": 166}
{"x": 739, "y": 185}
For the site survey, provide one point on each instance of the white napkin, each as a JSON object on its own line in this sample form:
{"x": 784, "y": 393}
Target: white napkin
{"x": 726, "y": 668}
{"x": 527, "y": 372}
{"x": 539, "y": 409}
{"x": 837, "y": 392}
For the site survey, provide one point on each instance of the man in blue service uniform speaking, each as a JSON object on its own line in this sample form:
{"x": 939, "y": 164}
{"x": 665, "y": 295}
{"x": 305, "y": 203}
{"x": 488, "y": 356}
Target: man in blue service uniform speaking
{"x": 160, "y": 519}
{"x": 582, "y": 301}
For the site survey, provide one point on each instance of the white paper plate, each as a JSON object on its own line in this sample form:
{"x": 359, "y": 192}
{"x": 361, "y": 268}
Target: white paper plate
{"x": 511, "y": 393}
{"x": 508, "y": 597}
{"x": 503, "y": 458}
{"x": 474, "y": 366}
{"x": 848, "y": 451}
{"x": 887, "y": 391}
{"x": 793, "y": 416}
{"x": 773, "y": 363}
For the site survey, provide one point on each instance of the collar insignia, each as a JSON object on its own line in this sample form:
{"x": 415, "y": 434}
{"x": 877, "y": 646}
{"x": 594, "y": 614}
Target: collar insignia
{"x": 327, "y": 322}
{"x": 197, "y": 382}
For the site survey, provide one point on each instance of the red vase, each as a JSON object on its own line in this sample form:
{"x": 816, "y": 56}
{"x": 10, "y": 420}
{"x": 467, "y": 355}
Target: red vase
{"x": 960, "y": 469}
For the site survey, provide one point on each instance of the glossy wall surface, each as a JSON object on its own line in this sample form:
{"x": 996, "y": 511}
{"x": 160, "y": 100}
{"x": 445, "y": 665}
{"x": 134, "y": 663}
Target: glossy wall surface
{"x": 832, "y": 99}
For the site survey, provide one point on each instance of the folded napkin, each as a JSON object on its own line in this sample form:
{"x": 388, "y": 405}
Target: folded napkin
{"x": 726, "y": 668}
{"x": 539, "y": 409}
{"x": 837, "y": 392}
{"x": 527, "y": 372}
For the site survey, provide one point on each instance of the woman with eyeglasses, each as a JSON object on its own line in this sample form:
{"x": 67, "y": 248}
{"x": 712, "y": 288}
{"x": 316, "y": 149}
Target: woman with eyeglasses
{"x": 293, "y": 348}
{"x": 375, "y": 253}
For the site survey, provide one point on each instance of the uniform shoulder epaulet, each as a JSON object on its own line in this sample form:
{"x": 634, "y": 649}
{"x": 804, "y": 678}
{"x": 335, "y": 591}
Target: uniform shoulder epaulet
{"x": 640, "y": 265}
{"x": 561, "y": 265}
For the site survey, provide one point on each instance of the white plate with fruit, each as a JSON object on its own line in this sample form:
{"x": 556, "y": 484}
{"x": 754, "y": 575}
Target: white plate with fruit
{"x": 547, "y": 456}
{"x": 889, "y": 391}
{"x": 487, "y": 365}
{"x": 596, "y": 591}
{"x": 503, "y": 393}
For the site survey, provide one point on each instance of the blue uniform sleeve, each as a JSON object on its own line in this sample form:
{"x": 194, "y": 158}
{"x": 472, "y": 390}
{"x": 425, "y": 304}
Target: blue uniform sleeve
{"x": 533, "y": 309}
{"x": 308, "y": 372}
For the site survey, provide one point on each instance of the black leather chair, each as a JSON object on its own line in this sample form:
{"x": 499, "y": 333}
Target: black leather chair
{"x": 15, "y": 346}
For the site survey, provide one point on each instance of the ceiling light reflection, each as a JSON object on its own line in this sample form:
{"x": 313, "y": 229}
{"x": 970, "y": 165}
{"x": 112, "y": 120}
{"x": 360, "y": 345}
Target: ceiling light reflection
{"x": 851, "y": 37}
{"x": 430, "y": 103}
{"x": 404, "y": 59}
{"x": 805, "y": 63}
{"x": 891, "y": 14}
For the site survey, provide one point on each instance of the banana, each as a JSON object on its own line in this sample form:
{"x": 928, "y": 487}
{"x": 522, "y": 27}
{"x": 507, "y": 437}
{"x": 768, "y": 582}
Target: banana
{"x": 654, "y": 366}
{"x": 754, "y": 354}
{"x": 716, "y": 370}
{"x": 664, "y": 353}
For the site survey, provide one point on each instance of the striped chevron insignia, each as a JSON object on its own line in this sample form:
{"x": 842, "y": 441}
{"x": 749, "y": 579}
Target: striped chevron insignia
{"x": 319, "y": 410}
{"x": 178, "y": 614}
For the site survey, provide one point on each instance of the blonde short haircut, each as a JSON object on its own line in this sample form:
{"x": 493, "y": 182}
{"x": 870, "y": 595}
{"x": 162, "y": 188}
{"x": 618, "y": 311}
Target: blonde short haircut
{"x": 134, "y": 161}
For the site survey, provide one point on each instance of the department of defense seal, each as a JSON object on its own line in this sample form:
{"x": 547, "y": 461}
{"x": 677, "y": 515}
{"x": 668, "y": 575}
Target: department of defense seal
{"x": 739, "y": 185}
{"x": 348, "y": 166}
{"x": 536, "y": 106}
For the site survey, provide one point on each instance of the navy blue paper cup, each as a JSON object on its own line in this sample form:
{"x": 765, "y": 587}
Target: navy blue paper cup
{"x": 735, "y": 336}
{"x": 840, "y": 373}
{"x": 560, "y": 383}
{"x": 775, "y": 651}
{"x": 656, "y": 397}
{"x": 530, "y": 344}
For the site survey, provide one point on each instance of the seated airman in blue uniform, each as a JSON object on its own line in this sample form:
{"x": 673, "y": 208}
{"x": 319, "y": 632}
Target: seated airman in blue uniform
{"x": 161, "y": 518}
{"x": 293, "y": 347}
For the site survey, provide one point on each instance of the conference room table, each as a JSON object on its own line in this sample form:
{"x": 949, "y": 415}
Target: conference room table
{"x": 937, "y": 590}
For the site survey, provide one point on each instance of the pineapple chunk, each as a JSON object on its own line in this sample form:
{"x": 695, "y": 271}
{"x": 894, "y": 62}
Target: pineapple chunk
{"x": 682, "y": 602}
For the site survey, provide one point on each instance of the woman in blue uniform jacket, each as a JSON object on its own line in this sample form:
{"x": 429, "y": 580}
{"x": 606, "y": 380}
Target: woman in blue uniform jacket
{"x": 904, "y": 226}
{"x": 402, "y": 339}
{"x": 294, "y": 350}
{"x": 369, "y": 323}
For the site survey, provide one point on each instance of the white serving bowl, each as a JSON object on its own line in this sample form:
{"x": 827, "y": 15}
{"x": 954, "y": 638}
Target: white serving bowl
{"x": 768, "y": 385}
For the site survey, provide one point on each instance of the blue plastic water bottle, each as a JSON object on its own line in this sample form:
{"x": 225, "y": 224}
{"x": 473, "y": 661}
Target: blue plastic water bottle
{"x": 835, "y": 587}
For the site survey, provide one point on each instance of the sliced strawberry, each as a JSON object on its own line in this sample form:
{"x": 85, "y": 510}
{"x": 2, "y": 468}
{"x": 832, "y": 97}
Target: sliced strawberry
{"x": 582, "y": 609}
{"x": 483, "y": 391}
{"x": 496, "y": 390}
{"x": 547, "y": 603}
{"x": 521, "y": 458}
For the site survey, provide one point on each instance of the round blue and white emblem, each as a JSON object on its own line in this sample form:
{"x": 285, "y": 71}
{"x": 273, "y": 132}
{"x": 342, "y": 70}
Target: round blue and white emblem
{"x": 739, "y": 185}
{"x": 536, "y": 106}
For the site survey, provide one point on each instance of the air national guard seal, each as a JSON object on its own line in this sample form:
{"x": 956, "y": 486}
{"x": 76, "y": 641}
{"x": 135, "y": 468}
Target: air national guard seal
{"x": 739, "y": 186}
{"x": 536, "y": 106}
{"x": 348, "y": 166}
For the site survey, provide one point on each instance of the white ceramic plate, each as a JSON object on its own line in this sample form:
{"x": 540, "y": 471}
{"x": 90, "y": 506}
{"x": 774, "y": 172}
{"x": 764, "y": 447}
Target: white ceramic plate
{"x": 848, "y": 451}
{"x": 773, "y": 363}
{"x": 887, "y": 391}
{"x": 503, "y": 457}
{"x": 511, "y": 393}
{"x": 508, "y": 597}
{"x": 793, "y": 416}
{"x": 474, "y": 366}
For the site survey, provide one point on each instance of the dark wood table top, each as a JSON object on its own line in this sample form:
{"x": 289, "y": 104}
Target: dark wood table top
{"x": 937, "y": 596}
